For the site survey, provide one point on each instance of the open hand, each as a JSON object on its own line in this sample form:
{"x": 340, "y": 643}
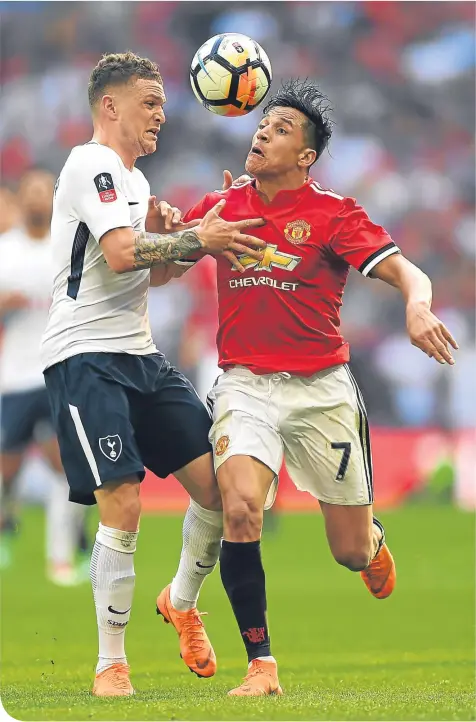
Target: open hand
{"x": 429, "y": 334}
{"x": 223, "y": 237}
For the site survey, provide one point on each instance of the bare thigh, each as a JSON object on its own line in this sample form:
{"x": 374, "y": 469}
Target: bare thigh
{"x": 199, "y": 481}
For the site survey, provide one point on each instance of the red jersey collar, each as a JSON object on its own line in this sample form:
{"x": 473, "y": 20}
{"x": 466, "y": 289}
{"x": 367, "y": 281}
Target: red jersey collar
{"x": 283, "y": 195}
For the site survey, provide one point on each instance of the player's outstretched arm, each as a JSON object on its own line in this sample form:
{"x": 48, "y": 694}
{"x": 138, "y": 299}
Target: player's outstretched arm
{"x": 426, "y": 331}
{"x": 126, "y": 250}
{"x": 151, "y": 249}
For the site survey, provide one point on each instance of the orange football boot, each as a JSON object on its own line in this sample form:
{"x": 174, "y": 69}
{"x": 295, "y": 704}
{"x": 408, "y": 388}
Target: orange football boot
{"x": 195, "y": 648}
{"x": 380, "y": 575}
{"x": 262, "y": 679}
{"x": 113, "y": 682}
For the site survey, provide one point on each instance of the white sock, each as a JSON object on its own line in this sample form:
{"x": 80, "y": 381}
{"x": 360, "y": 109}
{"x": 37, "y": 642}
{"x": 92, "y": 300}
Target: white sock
{"x": 264, "y": 659}
{"x": 112, "y": 577}
{"x": 63, "y": 519}
{"x": 202, "y": 532}
{"x": 378, "y": 535}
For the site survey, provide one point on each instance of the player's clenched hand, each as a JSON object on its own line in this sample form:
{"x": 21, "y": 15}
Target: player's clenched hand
{"x": 164, "y": 218}
{"x": 228, "y": 180}
{"x": 429, "y": 334}
{"x": 218, "y": 236}
{"x": 170, "y": 215}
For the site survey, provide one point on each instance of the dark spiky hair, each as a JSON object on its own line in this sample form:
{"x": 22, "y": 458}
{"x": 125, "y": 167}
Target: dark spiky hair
{"x": 305, "y": 96}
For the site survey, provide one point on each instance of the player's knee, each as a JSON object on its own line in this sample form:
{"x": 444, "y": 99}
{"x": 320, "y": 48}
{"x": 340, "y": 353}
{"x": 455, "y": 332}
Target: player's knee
{"x": 131, "y": 514}
{"x": 125, "y": 516}
{"x": 243, "y": 518}
{"x": 354, "y": 559}
{"x": 120, "y": 506}
{"x": 209, "y": 498}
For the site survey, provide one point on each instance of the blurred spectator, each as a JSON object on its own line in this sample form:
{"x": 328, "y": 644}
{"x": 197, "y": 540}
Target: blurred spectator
{"x": 26, "y": 279}
{"x": 8, "y": 210}
{"x": 401, "y": 79}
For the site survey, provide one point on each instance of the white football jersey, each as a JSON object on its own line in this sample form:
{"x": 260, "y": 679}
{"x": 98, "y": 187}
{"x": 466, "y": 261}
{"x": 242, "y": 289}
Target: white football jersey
{"x": 26, "y": 267}
{"x": 93, "y": 308}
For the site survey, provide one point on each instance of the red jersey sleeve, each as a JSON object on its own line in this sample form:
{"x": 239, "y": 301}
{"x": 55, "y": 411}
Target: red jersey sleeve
{"x": 357, "y": 240}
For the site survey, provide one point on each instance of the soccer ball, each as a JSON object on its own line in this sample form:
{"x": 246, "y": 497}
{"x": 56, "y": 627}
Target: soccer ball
{"x": 230, "y": 74}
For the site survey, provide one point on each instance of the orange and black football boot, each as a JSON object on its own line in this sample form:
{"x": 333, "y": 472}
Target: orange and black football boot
{"x": 262, "y": 679}
{"x": 195, "y": 647}
{"x": 380, "y": 576}
{"x": 113, "y": 682}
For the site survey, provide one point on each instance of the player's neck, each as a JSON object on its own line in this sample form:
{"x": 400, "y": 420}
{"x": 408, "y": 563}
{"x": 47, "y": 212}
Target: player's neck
{"x": 268, "y": 187}
{"x": 122, "y": 149}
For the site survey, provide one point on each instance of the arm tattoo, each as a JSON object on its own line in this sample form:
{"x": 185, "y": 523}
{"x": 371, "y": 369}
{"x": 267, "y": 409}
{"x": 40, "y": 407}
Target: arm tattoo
{"x": 153, "y": 248}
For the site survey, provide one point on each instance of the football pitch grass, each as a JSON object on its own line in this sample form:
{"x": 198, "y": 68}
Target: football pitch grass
{"x": 342, "y": 654}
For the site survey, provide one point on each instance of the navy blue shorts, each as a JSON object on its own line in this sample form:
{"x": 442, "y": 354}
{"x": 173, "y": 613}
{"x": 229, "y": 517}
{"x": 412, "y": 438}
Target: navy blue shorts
{"x": 115, "y": 413}
{"x": 21, "y": 414}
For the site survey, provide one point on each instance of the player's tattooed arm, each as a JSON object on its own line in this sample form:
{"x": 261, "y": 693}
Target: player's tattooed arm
{"x": 150, "y": 249}
{"x": 126, "y": 250}
{"x": 211, "y": 234}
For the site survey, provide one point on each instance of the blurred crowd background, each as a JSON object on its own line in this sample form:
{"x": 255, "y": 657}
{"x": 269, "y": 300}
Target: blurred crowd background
{"x": 401, "y": 78}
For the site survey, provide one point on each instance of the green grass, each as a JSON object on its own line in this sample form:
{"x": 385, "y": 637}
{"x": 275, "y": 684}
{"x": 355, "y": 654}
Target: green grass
{"x": 343, "y": 655}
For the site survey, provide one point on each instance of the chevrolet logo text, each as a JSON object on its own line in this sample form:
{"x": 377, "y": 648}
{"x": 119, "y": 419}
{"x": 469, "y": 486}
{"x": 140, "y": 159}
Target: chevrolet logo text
{"x": 263, "y": 281}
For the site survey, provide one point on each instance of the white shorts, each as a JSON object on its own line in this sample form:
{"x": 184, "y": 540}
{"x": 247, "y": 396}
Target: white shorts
{"x": 317, "y": 425}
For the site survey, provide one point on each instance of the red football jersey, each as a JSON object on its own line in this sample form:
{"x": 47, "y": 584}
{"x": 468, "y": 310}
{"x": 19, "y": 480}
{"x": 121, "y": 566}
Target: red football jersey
{"x": 283, "y": 313}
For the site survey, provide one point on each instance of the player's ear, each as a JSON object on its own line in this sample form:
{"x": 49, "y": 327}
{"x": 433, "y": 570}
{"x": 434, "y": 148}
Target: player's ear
{"x": 306, "y": 158}
{"x": 109, "y": 105}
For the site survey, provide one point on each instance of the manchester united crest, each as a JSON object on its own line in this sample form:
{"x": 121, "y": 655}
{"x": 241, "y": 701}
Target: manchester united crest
{"x": 222, "y": 445}
{"x": 297, "y": 232}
